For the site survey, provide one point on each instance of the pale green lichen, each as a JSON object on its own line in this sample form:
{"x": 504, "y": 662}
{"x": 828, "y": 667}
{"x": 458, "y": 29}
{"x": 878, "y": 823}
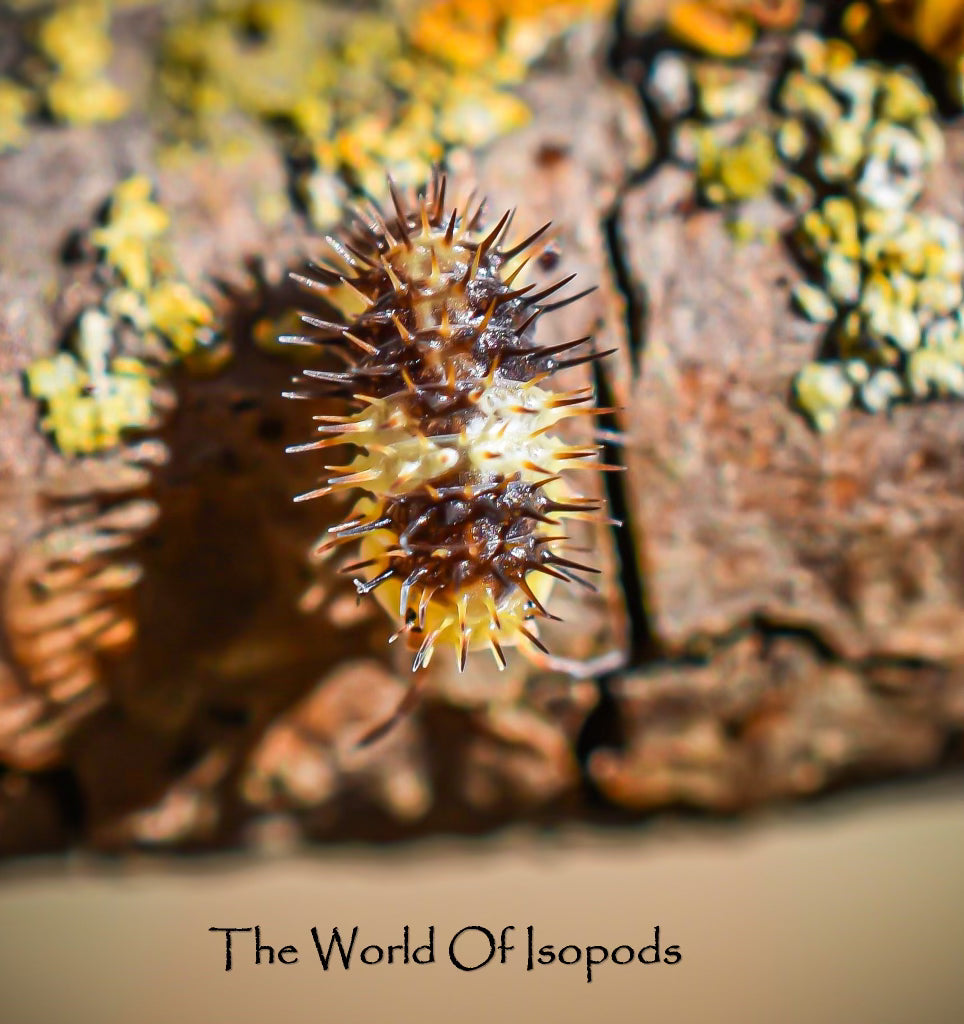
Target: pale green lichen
{"x": 824, "y": 390}
{"x": 888, "y": 277}
{"x": 868, "y": 129}
{"x": 814, "y": 303}
{"x": 848, "y": 149}
{"x": 894, "y": 285}
{"x": 931, "y": 372}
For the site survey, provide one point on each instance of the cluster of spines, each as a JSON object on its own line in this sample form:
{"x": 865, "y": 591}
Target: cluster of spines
{"x": 461, "y": 531}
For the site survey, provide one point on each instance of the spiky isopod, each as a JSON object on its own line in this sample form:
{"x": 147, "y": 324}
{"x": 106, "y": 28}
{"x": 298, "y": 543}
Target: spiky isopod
{"x": 461, "y": 532}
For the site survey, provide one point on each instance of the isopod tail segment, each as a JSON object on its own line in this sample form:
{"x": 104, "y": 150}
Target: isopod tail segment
{"x": 449, "y": 424}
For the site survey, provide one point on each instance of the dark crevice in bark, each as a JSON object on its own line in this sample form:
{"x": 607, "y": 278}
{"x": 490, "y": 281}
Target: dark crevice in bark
{"x": 643, "y": 644}
{"x": 628, "y": 62}
{"x": 769, "y": 630}
{"x": 633, "y": 291}
{"x": 603, "y": 729}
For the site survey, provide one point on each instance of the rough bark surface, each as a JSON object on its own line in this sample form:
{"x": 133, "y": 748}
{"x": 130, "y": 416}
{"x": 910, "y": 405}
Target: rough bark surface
{"x": 791, "y": 608}
{"x": 804, "y": 591}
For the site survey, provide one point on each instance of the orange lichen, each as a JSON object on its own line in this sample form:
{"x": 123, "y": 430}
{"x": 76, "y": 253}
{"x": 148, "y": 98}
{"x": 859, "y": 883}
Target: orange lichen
{"x": 937, "y": 26}
{"x": 499, "y": 36}
{"x": 728, "y": 28}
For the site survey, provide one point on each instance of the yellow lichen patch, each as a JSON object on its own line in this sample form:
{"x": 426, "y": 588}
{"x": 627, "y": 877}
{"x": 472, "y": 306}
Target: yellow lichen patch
{"x": 726, "y": 141}
{"x": 260, "y": 57}
{"x": 132, "y": 243}
{"x": 474, "y": 116}
{"x": 16, "y": 103}
{"x": 76, "y": 41}
{"x": 741, "y": 171}
{"x": 85, "y": 102}
{"x": 92, "y": 396}
{"x": 134, "y": 224}
{"x": 101, "y": 386}
{"x": 398, "y": 85}
{"x": 178, "y": 314}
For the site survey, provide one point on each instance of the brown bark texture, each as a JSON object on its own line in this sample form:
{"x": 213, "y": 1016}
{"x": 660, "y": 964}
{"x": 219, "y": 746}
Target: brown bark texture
{"x": 789, "y": 607}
